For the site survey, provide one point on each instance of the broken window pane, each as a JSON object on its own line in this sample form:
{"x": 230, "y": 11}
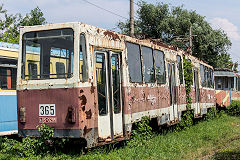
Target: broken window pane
{"x": 148, "y": 68}
{"x": 160, "y": 66}
{"x": 45, "y": 49}
{"x": 134, "y": 62}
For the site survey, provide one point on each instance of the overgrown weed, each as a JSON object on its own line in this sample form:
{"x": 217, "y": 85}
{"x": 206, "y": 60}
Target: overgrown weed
{"x": 141, "y": 133}
{"x": 234, "y": 108}
{"x": 33, "y": 146}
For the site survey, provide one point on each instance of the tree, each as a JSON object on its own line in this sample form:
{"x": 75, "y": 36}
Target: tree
{"x": 10, "y": 23}
{"x": 35, "y": 17}
{"x": 171, "y": 25}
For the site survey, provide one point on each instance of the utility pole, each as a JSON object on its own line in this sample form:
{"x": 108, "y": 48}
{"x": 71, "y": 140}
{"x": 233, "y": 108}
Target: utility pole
{"x": 190, "y": 39}
{"x": 131, "y": 19}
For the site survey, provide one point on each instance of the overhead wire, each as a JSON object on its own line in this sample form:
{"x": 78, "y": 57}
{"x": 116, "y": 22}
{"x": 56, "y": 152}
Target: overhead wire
{"x": 105, "y": 9}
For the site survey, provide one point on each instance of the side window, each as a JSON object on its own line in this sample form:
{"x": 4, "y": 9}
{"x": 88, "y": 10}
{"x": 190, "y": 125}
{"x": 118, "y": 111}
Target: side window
{"x": 232, "y": 83}
{"x": 32, "y": 71}
{"x": 179, "y": 61}
{"x": 226, "y": 82}
{"x": 83, "y": 59}
{"x": 8, "y": 78}
{"x": 218, "y": 84}
{"x": 148, "y": 68}
{"x": 206, "y": 76}
{"x": 238, "y": 84}
{"x": 202, "y": 75}
{"x": 3, "y": 78}
{"x": 134, "y": 62}
{"x": 211, "y": 78}
{"x": 13, "y": 77}
{"x": 60, "y": 70}
{"x": 160, "y": 66}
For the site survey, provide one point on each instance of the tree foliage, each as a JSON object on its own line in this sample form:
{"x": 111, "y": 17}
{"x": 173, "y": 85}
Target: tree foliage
{"x": 171, "y": 25}
{"x": 9, "y": 23}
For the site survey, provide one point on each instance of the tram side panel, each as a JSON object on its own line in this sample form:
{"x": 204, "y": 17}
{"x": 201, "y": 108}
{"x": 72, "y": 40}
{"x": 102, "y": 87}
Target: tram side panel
{"x": 8, "y": 114}
{"x": 8, "y": 99}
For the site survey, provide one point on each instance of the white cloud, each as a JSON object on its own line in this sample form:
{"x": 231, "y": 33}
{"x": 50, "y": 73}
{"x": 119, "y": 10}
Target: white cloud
{"x": 227, "y": 26}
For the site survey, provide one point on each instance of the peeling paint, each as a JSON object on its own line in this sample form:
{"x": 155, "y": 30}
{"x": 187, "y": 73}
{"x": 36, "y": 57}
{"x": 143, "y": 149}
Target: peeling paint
{"x": 83, "y": 99}
{"x": 88, "y": 114}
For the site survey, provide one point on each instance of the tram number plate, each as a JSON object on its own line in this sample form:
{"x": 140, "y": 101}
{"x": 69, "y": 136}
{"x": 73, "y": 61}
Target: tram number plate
{"x": 47, "y": 110}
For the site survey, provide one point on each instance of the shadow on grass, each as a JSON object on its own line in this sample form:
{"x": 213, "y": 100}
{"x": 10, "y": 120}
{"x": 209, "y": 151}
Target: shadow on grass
{"x": 226, "y": 155}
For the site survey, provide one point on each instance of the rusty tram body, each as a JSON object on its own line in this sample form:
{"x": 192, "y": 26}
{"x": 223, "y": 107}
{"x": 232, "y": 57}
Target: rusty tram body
{"x": 93, "y": 83}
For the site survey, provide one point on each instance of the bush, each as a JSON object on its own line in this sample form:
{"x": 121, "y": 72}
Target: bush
{"x": 1, "y": 143}
{"x": 211, "y": 114}
{"x": 234, "y": 108}
{"x": 27, "y": 148}
{"x": 141, "y": 133}
{"x": 32, "y": 146}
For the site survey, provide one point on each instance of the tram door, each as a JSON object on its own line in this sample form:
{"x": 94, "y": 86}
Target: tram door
{"x": 173, "y": 91}
{"x": 197, "y": 91}
{"x": 108, "y": 75}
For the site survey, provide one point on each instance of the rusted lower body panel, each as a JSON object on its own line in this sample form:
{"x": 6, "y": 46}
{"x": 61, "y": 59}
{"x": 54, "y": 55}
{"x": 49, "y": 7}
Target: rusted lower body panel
{"x": 181, "y": 96}
{"x": 139, "y": 99}
{"x": 81, "y": 101}
{"x": 207, "y": 96}
{"x": 224, "y": 97}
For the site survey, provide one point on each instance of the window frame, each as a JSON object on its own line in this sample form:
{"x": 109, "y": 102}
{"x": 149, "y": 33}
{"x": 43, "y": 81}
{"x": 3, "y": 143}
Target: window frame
{"x": 153, "y": 65}
{"x": 164, "y": 66}
{"x": 140, "y": 62}
{"x": 68, "y": 75}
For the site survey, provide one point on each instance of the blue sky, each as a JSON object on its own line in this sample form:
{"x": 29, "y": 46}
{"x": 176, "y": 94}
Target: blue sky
{"x": 220, "y": 13}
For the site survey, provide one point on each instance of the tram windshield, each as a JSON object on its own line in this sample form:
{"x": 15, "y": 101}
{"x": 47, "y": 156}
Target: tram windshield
{"x": 48, "y": 54}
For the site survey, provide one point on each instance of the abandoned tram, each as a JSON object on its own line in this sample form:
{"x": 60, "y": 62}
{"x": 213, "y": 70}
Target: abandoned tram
{"x": 93, "y": 83}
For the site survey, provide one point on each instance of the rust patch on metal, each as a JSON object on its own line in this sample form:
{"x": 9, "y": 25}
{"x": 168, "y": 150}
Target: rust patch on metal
{"x": 83, "y": 99}
{"x": 111, "y": 34}
{"x": 83, "y": 108}
{"x": 92, "y": 88}
{"x": 88, "y": 114}
{"x": 86, "y": 130}
{"x": 159, "y": 43}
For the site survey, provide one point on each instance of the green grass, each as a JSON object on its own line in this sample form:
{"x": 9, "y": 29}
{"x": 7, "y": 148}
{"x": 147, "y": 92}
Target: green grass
{"x": 205, "y": 139}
